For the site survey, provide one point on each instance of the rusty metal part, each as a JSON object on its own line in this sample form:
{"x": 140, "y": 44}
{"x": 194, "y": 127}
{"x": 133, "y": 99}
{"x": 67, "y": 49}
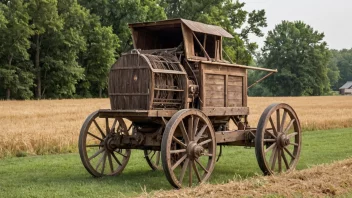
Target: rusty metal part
{"x": 97, "y": 147}
{"x": 194, "y": 136}
{"x": 278, "y": 140}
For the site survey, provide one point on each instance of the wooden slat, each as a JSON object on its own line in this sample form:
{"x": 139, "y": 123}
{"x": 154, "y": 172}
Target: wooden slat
{"x": 225, "y": 111}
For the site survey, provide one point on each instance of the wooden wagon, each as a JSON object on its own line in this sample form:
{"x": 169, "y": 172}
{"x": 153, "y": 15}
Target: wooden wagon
{"x": 173, "y": 96}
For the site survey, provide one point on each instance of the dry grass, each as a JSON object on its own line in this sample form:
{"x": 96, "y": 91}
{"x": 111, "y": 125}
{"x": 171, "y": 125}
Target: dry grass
{"x": 52, "y": 126}
{"x": 319, "y": 181}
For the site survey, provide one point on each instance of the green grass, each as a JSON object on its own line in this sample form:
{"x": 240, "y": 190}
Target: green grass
{"x": 65, "y": 176}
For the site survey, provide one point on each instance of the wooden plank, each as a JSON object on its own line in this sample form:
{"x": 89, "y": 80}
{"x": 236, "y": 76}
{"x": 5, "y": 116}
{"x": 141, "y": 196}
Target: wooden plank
{"x": 237, "y": 89}
{"x": 225, "y": 111}
{"x": 229, "y": 136}
{"x": 226, "y": 91}
{"x": 235, "y": 103}
{"x": 215, "y": 102}
{"x": 214, "y": 88}
{"x": 234, "y": 95}
{"x": 214, "y": 77}
{"x": 245, "y": 89}
{"x": 235, "y": 78}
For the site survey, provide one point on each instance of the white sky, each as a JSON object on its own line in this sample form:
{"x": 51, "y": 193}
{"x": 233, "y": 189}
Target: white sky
{"x": 333, "y": 17}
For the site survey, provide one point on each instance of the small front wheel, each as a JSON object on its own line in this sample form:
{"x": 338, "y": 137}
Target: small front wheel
{"x": 97, "y": 150}
{"x": 278, "y": 139}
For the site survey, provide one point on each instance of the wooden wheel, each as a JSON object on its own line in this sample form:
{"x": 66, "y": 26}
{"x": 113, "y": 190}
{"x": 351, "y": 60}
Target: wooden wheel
{"x": 188, "y": 148}
{"x": 98, "y": 152}
{"x": 153, "y": 159}
{"x": 278, "y": 139}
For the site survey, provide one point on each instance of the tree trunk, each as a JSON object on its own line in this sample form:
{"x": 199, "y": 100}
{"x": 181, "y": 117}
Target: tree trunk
{"x": 37, "y": 67}
{"x": 8, "y": 94}
{"x": 100, "y": 92}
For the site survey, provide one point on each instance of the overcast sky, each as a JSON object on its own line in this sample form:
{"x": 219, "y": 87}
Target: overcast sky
{"x": 333, "y": 17}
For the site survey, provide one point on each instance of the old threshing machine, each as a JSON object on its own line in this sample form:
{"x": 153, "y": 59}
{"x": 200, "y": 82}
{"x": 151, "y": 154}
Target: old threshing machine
{"x": 173, "y": 96}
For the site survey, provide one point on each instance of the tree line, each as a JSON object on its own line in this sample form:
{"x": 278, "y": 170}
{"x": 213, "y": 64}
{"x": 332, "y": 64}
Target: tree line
{"x": 65, "y": 48}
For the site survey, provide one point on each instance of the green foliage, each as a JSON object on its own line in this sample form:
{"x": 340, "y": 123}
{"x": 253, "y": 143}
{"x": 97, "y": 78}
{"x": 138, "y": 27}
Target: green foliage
{"x": 118, "y": 13}
{"x": 15, "y": 70}
{"x": 343, "y": 60}
{"x": 228, "y": 14}
{"x": 301, "y": 56}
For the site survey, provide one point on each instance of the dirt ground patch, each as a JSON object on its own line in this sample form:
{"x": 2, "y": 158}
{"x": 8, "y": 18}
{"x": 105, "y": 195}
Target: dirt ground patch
{"x": 319, "y": 181}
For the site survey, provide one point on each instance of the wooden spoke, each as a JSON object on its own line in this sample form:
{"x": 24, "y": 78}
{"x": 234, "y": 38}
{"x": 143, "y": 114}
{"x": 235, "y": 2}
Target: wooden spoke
{"x": 104, "y": 161}
{"x": 289, "y": 153}
{"x": 270, "y": 147}
{"x": 190, "y": 128}
{"x": 120, "y": 153}
{"x": 153, "y": 155}
{"x": 107, "y": 125}
{"x": 115, "y": 158}
{"x": 201, "y": 132}
{"x": 100, "y": 161}
{"x": 272, "y": 134}
{"x": 184, "y": 168}
{"x": 179, "y": 162}
{"x": 273, "y": 158}
{"x": 96, "y": 154}
{"x": 201, "y": 165}
{"x": 179, "y": 142}
{"x": 94, "y": 145}
{"x": 279, "y": 159}
{"x": 114, "y": 126}
{"x": 269, "y": 140}
{"x": 96, "y": 137}
{"x": 184, "y": 132}
{"x": 294, "y": 144}
{"x": 207, "y": 154}
{"x": 285, "y": 160}
{"x": 283, "y": 121}
{"x": 195, "y": 125}
{"x": 98, "y": 127}
{"x": 205, "y": 142}
{"x": 278, "y": 120}
{"x": 273, "y": 126}
{"x": 196, "y": 171}
{"x": 178, "y": 151}
{"x": 190, "y": 175}
{"x": 110, "y": 162}
{"x": 289, "y": 126}
{"x": 292, "y": 135}
{"x": 157, "y": 158}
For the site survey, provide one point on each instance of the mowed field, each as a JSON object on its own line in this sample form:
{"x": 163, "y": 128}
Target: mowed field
{"x": 52, "y": 126}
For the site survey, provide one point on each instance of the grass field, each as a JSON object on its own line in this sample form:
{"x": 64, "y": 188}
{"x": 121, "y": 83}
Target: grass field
{"x": 52, "y": 126}
{"x": 64, "y": 175}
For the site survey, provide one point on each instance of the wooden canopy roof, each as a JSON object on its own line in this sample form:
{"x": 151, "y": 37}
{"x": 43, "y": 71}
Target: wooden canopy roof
{"x": 193, "y": 25}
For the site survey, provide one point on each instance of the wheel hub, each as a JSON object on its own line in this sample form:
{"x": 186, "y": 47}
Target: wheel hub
{"x": 194, "y": 150}
{"x": 283, "y": 140}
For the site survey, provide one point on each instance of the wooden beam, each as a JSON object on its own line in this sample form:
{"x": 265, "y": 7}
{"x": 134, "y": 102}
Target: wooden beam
{"x": 201, "y": 46}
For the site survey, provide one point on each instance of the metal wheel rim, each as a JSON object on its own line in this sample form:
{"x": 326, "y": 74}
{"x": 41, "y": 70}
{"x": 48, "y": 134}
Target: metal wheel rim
{"x": 282, "y": 141}
{"x": 190, "y": 161}
{"x": 109, "y": 162}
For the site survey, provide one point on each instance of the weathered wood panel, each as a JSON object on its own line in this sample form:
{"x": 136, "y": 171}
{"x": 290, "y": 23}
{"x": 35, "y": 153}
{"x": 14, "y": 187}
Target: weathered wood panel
{"x": 215, "y": 90}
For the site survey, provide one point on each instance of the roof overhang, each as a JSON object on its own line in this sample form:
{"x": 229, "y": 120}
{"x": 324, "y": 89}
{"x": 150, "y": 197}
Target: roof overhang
{"x": 193, "y": 25}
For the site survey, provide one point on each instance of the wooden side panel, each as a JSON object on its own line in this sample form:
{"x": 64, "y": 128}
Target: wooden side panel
{"x": 215, "y": 90}
{"x": 223, "y": 86}
{"x": 235, "y": 91}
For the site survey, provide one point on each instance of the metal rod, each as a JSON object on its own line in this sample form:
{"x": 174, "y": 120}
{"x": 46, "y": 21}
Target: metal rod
{"x": 258, "y": 81}
{"x": 201, "y": 46}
